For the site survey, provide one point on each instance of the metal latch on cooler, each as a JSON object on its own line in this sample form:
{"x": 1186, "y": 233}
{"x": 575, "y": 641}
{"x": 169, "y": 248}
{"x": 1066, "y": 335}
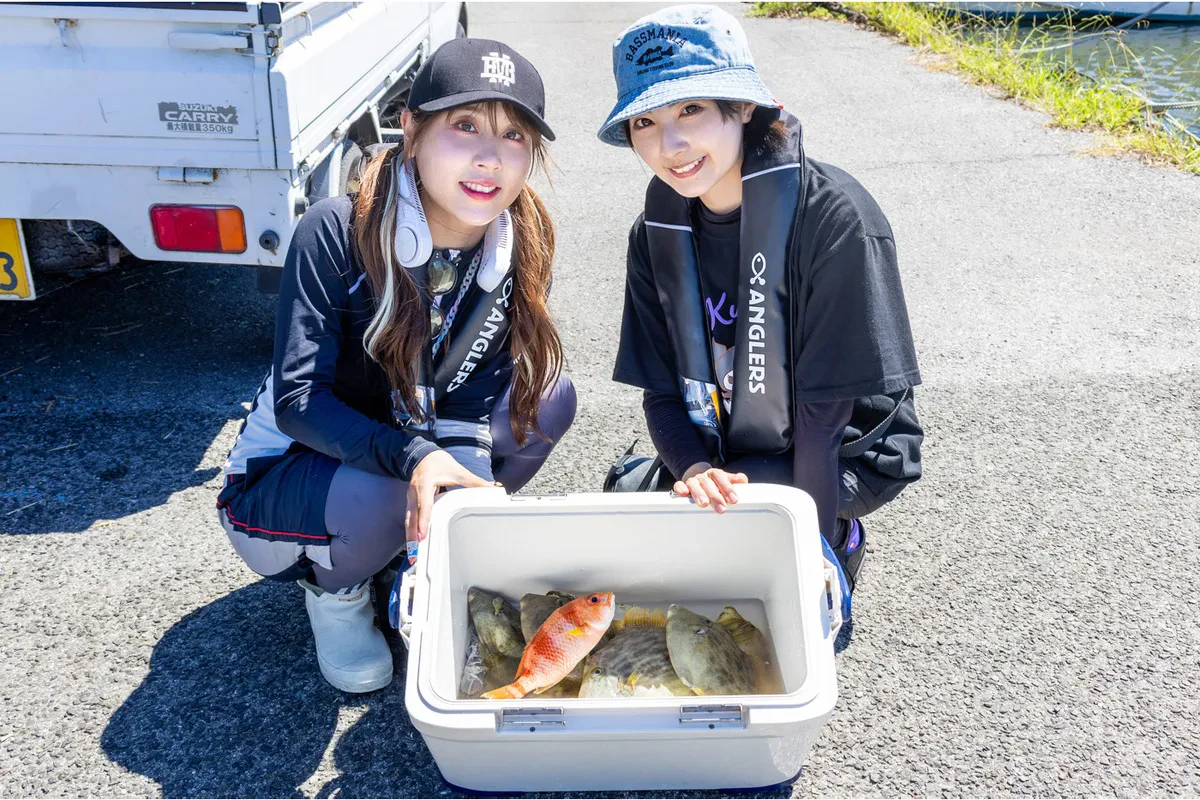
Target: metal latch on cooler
{"x": 529, "y": 719}
{"x": 712, "y": 716}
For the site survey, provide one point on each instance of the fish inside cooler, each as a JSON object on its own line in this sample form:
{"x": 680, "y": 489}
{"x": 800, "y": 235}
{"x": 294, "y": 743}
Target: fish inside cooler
{"x": 748, "y": 558}
{"x": 635, "y": 657}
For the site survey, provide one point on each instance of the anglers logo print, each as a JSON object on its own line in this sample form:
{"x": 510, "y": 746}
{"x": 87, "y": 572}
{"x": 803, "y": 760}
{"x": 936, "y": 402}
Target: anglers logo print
{"x": 499, "y": 68}
{"x": 757, "y": 380}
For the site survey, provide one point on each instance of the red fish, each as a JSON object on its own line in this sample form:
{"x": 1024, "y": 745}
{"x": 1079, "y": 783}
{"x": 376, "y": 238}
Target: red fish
{"x": 564, "y": 639}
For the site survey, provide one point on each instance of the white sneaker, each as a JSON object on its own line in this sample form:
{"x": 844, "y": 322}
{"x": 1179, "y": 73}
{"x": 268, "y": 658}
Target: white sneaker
{"x": 351, "y": 651}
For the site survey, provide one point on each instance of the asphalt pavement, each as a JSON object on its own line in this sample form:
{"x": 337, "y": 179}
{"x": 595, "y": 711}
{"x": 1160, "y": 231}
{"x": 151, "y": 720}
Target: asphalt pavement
{"x": 1028, "y": 621}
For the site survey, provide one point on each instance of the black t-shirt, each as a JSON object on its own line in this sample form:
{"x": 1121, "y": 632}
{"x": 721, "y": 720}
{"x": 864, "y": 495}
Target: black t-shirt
{"x": 717, "y": 239}
{"x": 850, "y": 333}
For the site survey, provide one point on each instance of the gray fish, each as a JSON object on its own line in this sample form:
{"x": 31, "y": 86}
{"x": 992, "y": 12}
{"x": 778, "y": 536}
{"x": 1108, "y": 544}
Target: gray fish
{"x": 705, "y": 655}
{"x": 635, "y": 663}
{"x": 497, "y": 623}
{"x": 753, "y": 644}
{"x": 537, "y": 608}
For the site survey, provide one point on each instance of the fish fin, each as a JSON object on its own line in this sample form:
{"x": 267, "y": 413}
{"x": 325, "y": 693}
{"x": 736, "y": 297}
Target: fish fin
{"x": 497, "y": 606}
{"x": 580, "y": 631}
{"x": 632, "y": 680}
{"x": 511, "y": 692}
{"x": 637, "y": 617}
{"x": 729, "y": 614}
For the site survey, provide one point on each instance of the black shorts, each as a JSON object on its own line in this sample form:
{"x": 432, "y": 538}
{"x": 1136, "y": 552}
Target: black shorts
{"x": 274, "y": 514}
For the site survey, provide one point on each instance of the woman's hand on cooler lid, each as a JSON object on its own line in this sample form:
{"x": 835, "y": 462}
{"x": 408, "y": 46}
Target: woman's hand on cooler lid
{"x": 434, "y": 472}
{"x": 708, "y": 485}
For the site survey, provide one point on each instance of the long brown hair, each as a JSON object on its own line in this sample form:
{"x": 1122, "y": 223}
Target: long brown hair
{"x": 399, "y": 332}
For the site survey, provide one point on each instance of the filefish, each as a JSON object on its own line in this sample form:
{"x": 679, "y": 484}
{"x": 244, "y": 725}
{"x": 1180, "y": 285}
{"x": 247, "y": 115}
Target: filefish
{"x": 496, "y": 622}
{"x": 484, "y": 669}
{"x": 635, "y": 663}
{"x": 705, "y": 655}
{"x": 752, "y": 642}
{"x": 748, "y": 637}
{"x": 567, "y": 635}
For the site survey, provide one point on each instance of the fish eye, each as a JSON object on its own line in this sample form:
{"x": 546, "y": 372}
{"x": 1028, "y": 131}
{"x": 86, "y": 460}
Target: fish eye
{"x": 594, "y": 598}
{"x": 598, "y": 671}
{"x": 701, "y": 631}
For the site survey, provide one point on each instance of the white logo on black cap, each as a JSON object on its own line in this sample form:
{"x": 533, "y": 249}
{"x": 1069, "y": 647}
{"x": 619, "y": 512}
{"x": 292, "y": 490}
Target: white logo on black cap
{"x": 499, "y": 68}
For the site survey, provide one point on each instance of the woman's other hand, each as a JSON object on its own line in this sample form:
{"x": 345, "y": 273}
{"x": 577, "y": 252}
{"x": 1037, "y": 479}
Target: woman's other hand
{"x": 707, "y": 484}
{"x": 435, "y": 471}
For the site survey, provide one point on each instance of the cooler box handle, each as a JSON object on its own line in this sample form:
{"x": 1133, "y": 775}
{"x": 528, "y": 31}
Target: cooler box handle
{"x": 837, "y": 591}
{"x": 400, "y": 603}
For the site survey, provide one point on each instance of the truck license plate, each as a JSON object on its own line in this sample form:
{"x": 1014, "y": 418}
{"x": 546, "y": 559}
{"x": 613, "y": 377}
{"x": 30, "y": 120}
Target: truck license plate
{"x": 16, "y": 283}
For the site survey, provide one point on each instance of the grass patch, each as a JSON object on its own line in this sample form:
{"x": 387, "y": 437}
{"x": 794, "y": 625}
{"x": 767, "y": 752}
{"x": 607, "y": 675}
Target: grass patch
{"x": 1000, "y": 54}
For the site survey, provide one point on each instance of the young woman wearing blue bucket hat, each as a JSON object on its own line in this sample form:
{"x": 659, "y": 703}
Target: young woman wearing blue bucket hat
{"x": 764, "y": 317}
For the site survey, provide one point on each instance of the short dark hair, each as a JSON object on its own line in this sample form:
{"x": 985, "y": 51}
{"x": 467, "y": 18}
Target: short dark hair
{"x": 730, "y": 109}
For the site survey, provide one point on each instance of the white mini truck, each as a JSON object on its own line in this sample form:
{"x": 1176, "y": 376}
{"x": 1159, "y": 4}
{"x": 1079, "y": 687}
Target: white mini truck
{"x": 195, "y": 132}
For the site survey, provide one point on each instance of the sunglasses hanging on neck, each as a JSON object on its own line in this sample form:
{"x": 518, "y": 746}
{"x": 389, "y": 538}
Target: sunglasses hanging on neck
{"x": 441, "y": 275}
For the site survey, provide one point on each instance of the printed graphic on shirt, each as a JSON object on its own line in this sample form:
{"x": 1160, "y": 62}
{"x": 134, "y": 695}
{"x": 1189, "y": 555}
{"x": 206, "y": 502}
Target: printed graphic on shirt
{"x": 700, "y": 399}
{"x": 722, "y": 326}
{"x": 405, "y": 420}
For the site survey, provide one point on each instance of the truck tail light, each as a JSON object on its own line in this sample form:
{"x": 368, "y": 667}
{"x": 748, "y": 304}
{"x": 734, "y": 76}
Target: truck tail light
{"x": 201, "y": 229}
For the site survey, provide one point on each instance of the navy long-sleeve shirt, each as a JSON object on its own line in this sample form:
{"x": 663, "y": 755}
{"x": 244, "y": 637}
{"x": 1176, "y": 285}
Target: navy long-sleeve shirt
{"x": 324, "y": 391}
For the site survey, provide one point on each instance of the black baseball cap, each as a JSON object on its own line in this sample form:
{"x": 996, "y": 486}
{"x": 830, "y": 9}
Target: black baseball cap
{"x": 466, "y": 71}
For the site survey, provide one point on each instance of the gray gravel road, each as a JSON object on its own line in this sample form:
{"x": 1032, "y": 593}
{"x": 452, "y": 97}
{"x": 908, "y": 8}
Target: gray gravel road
{"x": 1028, "y": 624}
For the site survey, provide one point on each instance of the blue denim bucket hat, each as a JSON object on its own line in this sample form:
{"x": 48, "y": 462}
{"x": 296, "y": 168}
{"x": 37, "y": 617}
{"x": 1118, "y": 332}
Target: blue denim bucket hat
{"x": 681, "y": 53}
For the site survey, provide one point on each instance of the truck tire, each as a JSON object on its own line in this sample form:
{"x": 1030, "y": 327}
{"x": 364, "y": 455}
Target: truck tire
{"x": 61, "y": 245}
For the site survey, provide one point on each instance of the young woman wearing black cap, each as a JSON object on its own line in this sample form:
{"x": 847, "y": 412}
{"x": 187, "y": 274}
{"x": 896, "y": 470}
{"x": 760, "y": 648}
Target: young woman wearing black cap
{"x": 413, "y": 352}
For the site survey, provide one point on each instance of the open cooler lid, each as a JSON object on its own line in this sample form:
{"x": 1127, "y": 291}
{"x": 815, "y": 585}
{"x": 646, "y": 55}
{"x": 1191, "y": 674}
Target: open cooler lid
{"x": 511, "y": 519}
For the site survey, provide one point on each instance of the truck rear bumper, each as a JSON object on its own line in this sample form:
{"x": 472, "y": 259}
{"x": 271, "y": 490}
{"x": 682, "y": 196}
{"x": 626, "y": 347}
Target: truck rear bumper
{"x": 57, "y": 191}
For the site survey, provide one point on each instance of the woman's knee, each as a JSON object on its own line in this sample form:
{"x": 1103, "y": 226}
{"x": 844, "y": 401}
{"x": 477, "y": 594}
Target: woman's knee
{"x": 365, "y": 506}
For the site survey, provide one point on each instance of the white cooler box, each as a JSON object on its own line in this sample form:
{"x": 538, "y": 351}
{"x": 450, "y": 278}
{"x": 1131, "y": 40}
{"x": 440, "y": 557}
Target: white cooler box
{"x": 763, "y": 556}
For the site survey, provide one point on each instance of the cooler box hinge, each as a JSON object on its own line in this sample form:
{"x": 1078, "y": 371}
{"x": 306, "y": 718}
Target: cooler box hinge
{"x": 712, "y": 716}
{"x": 529, "y": 719}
